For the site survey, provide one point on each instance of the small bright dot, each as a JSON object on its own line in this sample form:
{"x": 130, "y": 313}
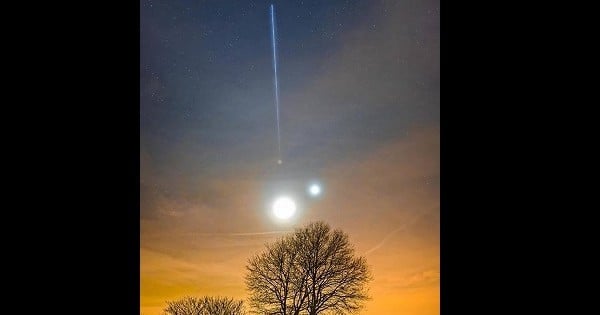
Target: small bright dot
{"x": 314, "y": 189}
{"x": 284, "y": 207}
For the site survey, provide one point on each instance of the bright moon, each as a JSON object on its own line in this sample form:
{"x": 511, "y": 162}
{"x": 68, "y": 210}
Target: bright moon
{"x": 314, "y": 189}
{"x": 284, "y": 207}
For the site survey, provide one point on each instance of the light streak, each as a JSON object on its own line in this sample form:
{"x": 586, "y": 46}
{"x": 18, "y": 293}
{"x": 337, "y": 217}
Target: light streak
{"x": 276, "y": 83}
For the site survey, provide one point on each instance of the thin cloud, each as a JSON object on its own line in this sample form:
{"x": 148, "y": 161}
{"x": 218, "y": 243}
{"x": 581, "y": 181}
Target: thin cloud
{"x": 396, "y": 230}
{"x": 244, "y": 234}
{"x": 376, "y": 247}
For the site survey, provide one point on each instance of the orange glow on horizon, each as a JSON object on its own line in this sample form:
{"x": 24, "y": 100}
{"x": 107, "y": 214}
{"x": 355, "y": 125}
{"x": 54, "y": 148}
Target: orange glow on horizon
{"x": 392, "y": 221}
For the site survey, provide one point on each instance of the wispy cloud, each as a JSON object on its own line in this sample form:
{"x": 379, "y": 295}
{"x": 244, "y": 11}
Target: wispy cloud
{"x": 245, "y": 234}
{"x": 423, "y": 278}
{"x": 403, "y": 226}
{"x": 389, "y": 235}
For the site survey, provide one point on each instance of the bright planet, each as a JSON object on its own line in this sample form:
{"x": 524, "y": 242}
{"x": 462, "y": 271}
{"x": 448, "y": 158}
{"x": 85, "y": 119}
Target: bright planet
{"x": 314, "y": 190}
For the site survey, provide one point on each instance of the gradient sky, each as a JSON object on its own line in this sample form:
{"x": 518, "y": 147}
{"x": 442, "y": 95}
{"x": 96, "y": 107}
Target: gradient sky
{"x": 359, "y": 106}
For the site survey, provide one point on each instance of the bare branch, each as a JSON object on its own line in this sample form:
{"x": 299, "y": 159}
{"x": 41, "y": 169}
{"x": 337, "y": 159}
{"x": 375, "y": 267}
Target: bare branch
{"x": 311, "y": 271}
{"x": 205, "y": 306}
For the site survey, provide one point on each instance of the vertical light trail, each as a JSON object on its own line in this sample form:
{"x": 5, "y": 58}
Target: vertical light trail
{"x": 276, "y": 85}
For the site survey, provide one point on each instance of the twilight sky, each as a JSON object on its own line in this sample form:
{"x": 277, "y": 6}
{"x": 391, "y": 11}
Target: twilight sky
{"x": 359, "y": 106}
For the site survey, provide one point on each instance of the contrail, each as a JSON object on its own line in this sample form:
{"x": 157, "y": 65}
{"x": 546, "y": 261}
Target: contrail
{"x": 385, "y": 239}
{"x": 276, "y": 86}
{"x": 243, "y": 234}
{"x": 398, "y": 229}
{"x": 258, "y": 233}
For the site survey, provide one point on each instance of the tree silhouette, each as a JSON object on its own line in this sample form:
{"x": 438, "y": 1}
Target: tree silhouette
{"x": 312, "y": 270}
{"x": 206, "y": 305}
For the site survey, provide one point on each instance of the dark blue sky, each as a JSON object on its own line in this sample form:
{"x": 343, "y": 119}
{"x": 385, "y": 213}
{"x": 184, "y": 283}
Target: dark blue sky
{"x": 353, "y": 75}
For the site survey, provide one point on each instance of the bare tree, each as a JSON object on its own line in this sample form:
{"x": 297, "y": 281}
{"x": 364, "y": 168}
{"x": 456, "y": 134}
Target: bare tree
{"x": 313, "y": 270}
{"x": 223, "y": 306}
{"x": 273, "y": 279}
{"x": 185, "y": 306}
{"x": 206, "y": 305}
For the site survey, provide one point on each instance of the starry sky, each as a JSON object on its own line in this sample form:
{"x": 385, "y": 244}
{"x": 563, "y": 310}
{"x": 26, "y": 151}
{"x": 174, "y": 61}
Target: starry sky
{"x": 359, "y": 112}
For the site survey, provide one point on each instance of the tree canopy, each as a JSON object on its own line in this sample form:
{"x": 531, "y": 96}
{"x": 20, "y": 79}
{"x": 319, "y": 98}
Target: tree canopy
{"x": 206, "y": 305}
{"x": 313, "y": 270}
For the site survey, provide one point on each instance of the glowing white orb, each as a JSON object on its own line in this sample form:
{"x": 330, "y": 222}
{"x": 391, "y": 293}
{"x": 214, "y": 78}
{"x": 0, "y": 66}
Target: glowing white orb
{"x": 314, "y": 189}
{"x": 284, "y": 207}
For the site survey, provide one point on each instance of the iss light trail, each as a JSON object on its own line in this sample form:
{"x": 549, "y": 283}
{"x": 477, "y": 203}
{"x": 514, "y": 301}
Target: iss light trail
{"x": 284, "y": 207}
{"x": 276, "y": 83}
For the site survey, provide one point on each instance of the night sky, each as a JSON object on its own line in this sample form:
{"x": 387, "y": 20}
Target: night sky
{"x": 359, "y": 112}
